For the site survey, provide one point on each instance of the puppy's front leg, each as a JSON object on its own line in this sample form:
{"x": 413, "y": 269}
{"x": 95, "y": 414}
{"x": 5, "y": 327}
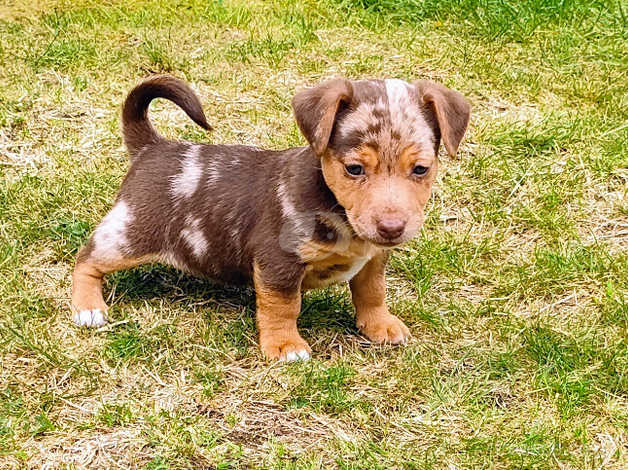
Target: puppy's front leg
{"x": 277, "y": 313}
{"x": 368, "y": 291}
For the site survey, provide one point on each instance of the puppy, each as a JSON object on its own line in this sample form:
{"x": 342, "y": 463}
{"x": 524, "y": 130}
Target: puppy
{"x": 285, "y": 220}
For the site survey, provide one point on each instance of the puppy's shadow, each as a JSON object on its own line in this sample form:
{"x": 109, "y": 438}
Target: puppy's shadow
{"x": 324, "y": 309}
{"x": 327, "y": 309}
{"x": 157, "y": 282}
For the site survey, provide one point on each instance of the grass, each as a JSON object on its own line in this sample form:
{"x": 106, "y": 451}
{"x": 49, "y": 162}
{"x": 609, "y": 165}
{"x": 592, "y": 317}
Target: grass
{"x": 515, "y": 291}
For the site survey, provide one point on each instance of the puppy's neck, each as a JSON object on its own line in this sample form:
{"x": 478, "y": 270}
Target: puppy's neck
{"x": 304, "y": 181}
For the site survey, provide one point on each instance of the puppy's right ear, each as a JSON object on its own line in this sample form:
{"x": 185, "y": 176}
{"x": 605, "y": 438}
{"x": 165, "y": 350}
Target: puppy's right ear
{"x": 315, "y": 110}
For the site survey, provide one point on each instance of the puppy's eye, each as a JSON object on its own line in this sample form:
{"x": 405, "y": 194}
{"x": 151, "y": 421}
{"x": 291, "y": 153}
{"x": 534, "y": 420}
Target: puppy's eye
{"x": 354, "y": 169}
{"x": 419, "y": 170}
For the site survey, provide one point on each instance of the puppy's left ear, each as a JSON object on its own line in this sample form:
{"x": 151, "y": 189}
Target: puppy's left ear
{"x": 315, "y": 110}
{"x": 451, "y": 110}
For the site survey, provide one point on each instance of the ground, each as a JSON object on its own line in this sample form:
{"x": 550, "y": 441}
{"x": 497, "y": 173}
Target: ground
{"x": 515, "y": 292}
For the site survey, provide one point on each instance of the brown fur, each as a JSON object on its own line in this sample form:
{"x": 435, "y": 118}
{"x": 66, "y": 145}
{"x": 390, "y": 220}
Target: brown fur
{"x": 137, "y": 129}
{"x": 325, "y": 262}
{"x": 388, "y": 192}
{"x": 452, "y": 112}
{"x": 317, "y": 109}
{"x": 368, "y": 291}
{"x": 283, "y": 220}
{"x": 277, "y": 319}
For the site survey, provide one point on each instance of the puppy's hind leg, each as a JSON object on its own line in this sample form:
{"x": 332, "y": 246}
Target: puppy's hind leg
{"x": 107, "y": 251}
{"x": 88, "y": 304}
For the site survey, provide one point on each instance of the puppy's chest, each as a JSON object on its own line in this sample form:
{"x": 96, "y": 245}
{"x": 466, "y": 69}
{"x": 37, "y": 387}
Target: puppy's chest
{"x": 325, "y": 267}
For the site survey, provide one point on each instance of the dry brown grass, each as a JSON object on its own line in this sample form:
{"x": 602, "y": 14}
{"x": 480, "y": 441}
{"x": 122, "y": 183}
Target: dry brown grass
{"x": 515, "y": 292}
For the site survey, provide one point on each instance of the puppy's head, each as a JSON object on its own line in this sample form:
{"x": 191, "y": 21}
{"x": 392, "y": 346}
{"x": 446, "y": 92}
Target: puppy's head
{"x": 378, "y": 142}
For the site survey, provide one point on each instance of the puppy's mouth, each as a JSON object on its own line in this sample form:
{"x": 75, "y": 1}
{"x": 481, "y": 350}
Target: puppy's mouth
{"x": 386, "y": 243}
{"x": 382, "y": 242}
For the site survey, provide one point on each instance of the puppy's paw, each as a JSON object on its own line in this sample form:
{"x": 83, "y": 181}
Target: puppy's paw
{"x": 384, "y": 328}
{"x": 293, "y": 348}
{"x": 93, "y": 318}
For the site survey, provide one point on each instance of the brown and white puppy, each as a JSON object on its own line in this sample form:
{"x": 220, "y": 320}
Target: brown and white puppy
{"x": 286, "y": 220}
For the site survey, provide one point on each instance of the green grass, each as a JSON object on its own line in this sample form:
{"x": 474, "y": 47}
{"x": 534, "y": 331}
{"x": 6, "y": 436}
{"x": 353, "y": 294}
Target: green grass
{"x": 515, "y": 292}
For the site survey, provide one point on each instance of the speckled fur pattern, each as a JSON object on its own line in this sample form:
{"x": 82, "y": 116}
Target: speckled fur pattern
{"x": 282, "y": 220}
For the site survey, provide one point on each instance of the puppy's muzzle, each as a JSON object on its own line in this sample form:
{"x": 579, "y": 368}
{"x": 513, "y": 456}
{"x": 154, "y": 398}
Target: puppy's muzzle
{"x": 390, "y": 228}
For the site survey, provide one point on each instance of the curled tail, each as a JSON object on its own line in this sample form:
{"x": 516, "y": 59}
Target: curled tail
{"x": 136, "y": 127}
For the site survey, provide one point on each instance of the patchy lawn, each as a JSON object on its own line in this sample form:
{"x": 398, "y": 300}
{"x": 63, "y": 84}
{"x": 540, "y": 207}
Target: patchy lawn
{"x": 515, "y": 292}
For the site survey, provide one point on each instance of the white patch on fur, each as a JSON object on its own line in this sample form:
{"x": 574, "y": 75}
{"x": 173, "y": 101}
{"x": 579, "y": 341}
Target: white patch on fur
{"x": 344, "y": 276}
{"x": 91, "y": 318}
{"x": 399, "y": 101}
{"x": 110, "y": 236}
{"x": 405, "y": 116}
{"x": 195, "y": 238}
{"x": 287, "y": 206}
{"x": 292, "y": 356}
{"x": 186, "y": 182}
{"x": 356, "y": 267}
{"x": 398, "y": 93}
{"x": 380, "y": 106}
{"x": 360, "y": 119}
{"x": 296, "y": 225}
{"x": 313, "y": 281}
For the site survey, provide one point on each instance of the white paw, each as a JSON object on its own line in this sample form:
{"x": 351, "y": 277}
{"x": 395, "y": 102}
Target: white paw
{"x": 92, "y": 318}
{"x": 292, "y": 356}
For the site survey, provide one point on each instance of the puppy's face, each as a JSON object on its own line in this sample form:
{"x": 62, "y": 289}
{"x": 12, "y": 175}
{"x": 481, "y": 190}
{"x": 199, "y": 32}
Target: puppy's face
{"x": 378, "y": 144}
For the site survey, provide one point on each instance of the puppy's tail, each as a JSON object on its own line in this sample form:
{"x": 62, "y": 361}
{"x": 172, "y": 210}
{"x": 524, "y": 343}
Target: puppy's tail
{"x": 136, "y": 127}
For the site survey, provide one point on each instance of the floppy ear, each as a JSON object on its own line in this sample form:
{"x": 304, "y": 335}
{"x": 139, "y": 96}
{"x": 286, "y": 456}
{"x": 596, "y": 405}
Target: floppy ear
{"x": 315, "y": 110}
{"x": 451, "y": 110}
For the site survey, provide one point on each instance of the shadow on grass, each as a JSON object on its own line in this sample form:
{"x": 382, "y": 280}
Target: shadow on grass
{"x": 325, "y": 309}
{"x": 163, "y": 282}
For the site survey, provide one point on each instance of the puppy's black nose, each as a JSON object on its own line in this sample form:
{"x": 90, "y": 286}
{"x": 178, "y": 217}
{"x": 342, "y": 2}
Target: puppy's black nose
{"x": 390, "y": 228}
